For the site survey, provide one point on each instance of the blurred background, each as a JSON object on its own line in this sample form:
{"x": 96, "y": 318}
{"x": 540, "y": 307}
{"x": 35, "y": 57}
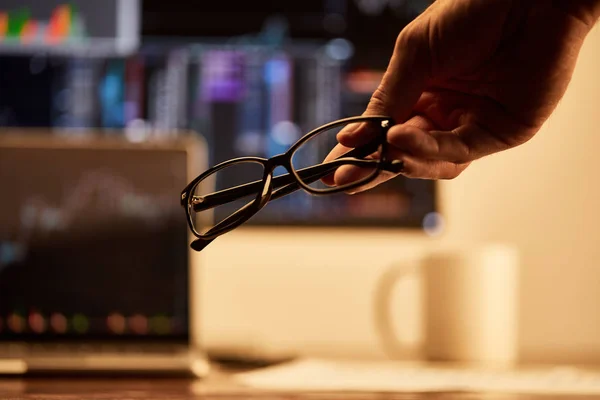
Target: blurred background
{"x": 99, "y": 101}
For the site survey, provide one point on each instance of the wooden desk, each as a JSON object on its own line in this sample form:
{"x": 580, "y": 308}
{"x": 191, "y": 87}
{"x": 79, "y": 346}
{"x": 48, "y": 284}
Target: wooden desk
{"x": 217, "y": 387}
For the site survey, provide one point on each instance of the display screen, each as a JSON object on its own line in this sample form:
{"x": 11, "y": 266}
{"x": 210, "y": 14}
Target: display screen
{"x": 69, "y": 27}
{"x": 249, "y": 89}
{"x": 93, "y": 244}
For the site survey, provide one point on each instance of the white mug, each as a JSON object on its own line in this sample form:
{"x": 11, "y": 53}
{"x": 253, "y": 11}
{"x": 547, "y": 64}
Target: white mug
{"x": 469, "y": 301}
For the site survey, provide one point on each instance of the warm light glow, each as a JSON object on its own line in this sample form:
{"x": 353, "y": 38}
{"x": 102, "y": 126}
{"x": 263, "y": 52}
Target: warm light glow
{"x": 116, "y": 323}
{"x": 37, "y": 322}
{"x": 16, "y": 323}
{"x": 160, "y": 324}
{"x": 3, "y": 25}
{"x": 29, "y": 31}
{"x": 80, "y": 323}
{"x": 58, "y": 322}
{"x": 60, "y": 23}
{"x": 138, "y": 324}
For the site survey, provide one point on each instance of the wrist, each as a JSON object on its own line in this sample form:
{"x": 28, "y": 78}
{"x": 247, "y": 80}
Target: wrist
{"x": 592, "y": 8}
{"x": 587, "y": 11}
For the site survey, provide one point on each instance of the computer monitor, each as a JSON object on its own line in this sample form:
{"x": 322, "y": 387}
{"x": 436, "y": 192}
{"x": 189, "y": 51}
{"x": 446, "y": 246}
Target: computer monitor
{"x": 243, "y": 98}
{"x": 93, "y": 240}
{"x": 75, "y": 27}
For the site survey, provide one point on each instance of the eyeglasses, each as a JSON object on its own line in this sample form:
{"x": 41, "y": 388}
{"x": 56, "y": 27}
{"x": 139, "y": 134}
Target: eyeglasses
{"x": 245, "y": 185}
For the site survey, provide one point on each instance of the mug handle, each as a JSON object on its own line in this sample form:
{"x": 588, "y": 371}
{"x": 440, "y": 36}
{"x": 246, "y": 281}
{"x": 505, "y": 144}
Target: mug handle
{"x": 382, "y": 312}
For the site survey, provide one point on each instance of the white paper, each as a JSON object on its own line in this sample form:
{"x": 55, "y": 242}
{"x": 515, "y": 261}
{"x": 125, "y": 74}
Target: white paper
{"x": 349, "y": 376}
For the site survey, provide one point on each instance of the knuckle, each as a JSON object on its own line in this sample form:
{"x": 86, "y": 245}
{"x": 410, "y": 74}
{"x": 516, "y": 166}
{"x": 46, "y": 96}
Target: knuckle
{"x": 378, "y": 104}
{"x": 408, "y": 37}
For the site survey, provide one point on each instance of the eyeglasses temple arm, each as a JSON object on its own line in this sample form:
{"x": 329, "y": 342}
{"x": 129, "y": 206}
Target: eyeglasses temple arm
{"x": 315, "y": 172}
{"x": 394, "y": 166}
{"x": 200, "y": 244}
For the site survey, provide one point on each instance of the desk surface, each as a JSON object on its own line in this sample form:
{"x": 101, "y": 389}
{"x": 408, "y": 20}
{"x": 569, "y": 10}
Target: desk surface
{"x": 187, "y": 389}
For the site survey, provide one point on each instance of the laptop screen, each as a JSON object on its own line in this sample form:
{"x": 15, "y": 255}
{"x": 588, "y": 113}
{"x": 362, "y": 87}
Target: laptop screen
{"x": 93, "y": 244}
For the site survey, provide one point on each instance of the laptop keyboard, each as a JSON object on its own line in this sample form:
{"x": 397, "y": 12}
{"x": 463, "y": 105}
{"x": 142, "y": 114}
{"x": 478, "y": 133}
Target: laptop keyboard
{"x": 70, "y": 350}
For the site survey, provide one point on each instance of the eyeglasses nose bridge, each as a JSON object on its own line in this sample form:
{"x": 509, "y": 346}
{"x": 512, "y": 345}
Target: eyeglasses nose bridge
{"x": 267, "y": 189}
{"x": 279, "y": 160}
{"x": 268, "y": 184}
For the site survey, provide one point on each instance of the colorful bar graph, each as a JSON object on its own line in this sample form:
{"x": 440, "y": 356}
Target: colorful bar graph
{"x": 29, "y": 31}
{"x": 63, "y": 24}
{"x": 60, "y": 23}
{"x": 16, "y": 21}
{"x": 3, "y": 25}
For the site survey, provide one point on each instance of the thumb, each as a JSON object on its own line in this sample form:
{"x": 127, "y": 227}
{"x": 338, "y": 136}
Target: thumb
{"x": 400, "y": 88}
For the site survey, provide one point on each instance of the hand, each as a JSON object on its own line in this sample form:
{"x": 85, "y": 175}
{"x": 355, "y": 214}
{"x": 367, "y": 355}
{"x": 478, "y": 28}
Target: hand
{"x": 469, "y": 78}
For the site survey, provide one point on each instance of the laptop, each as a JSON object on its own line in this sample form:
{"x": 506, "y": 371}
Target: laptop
{"x": 96, "y": 275}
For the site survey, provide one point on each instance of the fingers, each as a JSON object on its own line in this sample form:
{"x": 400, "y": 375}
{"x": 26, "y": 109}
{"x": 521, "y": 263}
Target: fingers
{"x": 337, "y": 151}
{"x": 346, "y": 173}
{"x": 462, "y": 145}
{"x": 352, "y": 173}
{"x": 431, "y": 169}
{"x": 424, "y": 156}
{"x": 429, "y": 154}
{"x": 414, "y": 167}
{"x": 349, "y": 173}
{"x": 446, "y": 146}
{"x": 358, "y": 134}
{"x": 404, "y": 80}
{"x": 399, "y": 90}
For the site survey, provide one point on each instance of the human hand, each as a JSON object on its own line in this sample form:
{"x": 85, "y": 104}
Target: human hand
{"x": 469, "y": 78}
